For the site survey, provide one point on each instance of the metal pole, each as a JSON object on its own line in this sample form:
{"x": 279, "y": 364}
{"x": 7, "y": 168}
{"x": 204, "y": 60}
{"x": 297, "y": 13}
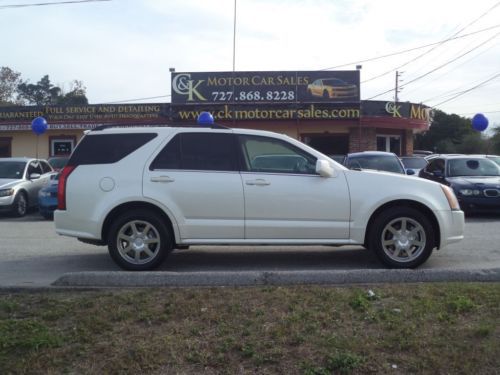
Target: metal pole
{"x": 234, "y": 38}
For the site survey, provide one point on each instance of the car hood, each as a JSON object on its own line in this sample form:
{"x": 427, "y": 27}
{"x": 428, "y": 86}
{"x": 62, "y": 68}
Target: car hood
{"x": 478, "y": 181}
{"x": 6, "y": 183}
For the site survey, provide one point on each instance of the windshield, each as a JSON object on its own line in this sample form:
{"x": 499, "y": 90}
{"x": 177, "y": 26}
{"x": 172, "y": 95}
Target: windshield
{"x": 414, "y": 163}
{"x": 377, "y": 162}
{"x": 496, "y": 159}
{"x": 472, "y": 167}
{"x": 58, "y": 163}
{"x": 12, "y": 169}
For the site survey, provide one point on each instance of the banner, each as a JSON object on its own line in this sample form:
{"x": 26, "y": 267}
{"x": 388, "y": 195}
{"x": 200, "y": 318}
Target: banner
{"x": 265, "y": 87}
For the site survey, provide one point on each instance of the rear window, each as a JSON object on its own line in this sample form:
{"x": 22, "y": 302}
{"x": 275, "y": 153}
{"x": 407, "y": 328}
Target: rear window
{"x": 108, "y": 148}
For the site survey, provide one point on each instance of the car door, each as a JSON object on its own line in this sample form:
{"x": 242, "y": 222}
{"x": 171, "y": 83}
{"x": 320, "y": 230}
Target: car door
{"x": 35, "y": 184}
{"x": 285, "y": 198}
{"x": 196, "y": 177}
{"x": 435, "y": 170}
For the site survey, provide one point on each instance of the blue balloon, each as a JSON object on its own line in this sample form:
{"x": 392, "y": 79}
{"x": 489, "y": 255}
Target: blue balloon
{"x": 39, "y": 125}
{"x": 205, "y": 119}
{"x": 479, "y": 122}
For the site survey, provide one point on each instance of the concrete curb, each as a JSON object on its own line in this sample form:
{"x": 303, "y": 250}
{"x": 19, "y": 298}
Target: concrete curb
{"x": 247, "y": 278}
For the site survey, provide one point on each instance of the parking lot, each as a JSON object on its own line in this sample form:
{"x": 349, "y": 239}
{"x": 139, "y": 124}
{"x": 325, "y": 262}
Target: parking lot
{"x": 32, "y": 254}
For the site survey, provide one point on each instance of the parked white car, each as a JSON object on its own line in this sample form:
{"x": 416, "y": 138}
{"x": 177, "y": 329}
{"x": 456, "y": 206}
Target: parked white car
{"x": 20, "y": 181}
{"x": 145, "y": 191}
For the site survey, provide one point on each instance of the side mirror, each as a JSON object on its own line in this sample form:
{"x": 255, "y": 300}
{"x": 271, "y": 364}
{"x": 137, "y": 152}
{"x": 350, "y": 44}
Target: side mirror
{"x": 324, "y": 169}
{"x": 410, "y": 172}
{"x": 35, "y": 176}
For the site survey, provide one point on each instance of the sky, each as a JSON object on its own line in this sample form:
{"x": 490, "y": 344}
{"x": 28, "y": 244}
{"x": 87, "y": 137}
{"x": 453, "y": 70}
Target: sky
{"x": 447, "y": 52}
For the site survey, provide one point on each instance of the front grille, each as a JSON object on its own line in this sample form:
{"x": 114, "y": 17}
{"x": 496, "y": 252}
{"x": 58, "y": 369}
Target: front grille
{"x": 493, "y": 193}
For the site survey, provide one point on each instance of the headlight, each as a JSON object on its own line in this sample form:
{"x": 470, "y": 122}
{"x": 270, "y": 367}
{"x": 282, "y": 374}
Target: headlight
{"x": 6, "y": 192}
{"x": 469, "y": 192}
{"x": 450, "y": 196}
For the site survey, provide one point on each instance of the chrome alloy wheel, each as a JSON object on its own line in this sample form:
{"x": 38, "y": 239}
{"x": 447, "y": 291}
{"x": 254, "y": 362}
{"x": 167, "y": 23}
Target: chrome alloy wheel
{"x": 138, "y": 242}
{"x": 403, "y": 239}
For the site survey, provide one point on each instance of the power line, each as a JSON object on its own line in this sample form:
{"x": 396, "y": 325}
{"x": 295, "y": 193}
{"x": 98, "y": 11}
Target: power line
{"x": 44, "y": 4}
{"x": 435, "y": 46}
{"x": 137, "y": 99}
{"x": 438, "y": 67}
{"x": 469, "y": 90}
{"x": 413, "y": 49}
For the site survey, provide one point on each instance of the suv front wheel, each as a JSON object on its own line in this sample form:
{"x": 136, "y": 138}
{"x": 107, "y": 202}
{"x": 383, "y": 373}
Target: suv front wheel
{"x": 402, "y": 237}
{"x": 139, "y": 240}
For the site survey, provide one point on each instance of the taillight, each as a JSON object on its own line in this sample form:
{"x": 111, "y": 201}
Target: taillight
{"x": 61, "y": 186}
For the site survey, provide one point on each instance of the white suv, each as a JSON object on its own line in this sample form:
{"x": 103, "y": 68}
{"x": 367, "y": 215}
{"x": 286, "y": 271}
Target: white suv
{"x": 145, "y": 191}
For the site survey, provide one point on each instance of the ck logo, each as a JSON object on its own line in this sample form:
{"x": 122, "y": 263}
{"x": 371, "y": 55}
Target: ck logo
{"x": 182, "y": 84}
{"x": 392, "y": 108}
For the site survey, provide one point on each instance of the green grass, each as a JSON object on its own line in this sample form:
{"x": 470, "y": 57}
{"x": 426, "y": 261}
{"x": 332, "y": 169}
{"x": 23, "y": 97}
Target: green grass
{"x": 445, "y": 328}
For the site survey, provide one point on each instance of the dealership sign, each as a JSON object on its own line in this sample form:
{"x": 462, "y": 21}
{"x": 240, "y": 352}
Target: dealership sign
{"x": 265, "y": 87}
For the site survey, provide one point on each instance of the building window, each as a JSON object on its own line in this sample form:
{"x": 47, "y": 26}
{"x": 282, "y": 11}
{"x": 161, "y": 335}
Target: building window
{"x": 60, "y": 146}
{"x": 389, "y": 143}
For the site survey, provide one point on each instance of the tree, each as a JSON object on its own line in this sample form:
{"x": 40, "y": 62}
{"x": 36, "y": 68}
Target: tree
{"x": 495, "y": 142}
{"x": 9, "y": 80}
{"x": 451, "y": 134}
{"x": 45, "y": 93}
{"x": 41, "y": 93}
{"x": 76, "y": 95}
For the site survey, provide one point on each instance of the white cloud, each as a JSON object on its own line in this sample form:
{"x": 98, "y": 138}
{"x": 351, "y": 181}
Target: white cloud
{"x": 123, "y": 49}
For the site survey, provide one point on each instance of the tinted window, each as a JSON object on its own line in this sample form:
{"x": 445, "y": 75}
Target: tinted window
{"x": 45, "y": 167}
{"x": 417, "y": 163}
{"x": 198, "y": 151}
{"x": 12, "y": 169}
{"x": 376, "y": 162}
{"x": 472, "y": 167}
{"x": 34, "y": 167}
{"x": 262, "y": 154}
{"x": 436, "y": 165}
{"x": 108, "y": 148}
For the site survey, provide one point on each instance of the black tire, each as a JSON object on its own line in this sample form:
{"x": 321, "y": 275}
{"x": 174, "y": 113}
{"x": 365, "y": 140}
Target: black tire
{"x": 20, "y": 205}
{"x": 139, "y": 240}
{"x": 326, "y": 95}
{"x": 48, "y": 216}
{"x": 402, "y": 237}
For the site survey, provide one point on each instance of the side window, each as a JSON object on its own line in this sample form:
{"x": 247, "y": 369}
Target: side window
{"x": 198, "y": 151}
{"x": 269, "y": 155}
{"x": 34, "y": 167}
{"x": 45, "y": 167}
{"x": 436, "y": 165}
{"x": 96, "y": 148}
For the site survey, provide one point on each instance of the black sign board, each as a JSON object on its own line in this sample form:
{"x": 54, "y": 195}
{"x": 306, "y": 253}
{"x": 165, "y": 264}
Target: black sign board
{"x": 265, "y": 87}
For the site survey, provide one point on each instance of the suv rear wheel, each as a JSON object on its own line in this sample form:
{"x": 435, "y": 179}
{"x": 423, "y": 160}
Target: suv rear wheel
{"x": 139, "y": 240}
{"x": 402, "y": 237}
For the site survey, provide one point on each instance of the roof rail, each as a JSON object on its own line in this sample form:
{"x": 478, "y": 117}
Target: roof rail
{"x": 180, "y": 125}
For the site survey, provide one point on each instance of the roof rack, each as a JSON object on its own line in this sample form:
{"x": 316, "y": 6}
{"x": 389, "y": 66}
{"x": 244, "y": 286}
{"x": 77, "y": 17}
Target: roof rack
{"x": 178, "y": 125}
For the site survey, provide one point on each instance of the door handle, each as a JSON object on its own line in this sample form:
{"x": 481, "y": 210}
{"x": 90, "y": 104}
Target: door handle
{"x": 258, "y": 182}
{"x": 162, "y": 179}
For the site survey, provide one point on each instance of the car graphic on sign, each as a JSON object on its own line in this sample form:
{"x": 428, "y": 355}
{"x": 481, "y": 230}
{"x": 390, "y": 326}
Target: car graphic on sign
{"x": 332, "y": 88}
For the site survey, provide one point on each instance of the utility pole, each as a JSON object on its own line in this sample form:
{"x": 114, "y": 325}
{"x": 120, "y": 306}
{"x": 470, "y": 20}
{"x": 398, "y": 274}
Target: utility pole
{"x": 396, "y": 91}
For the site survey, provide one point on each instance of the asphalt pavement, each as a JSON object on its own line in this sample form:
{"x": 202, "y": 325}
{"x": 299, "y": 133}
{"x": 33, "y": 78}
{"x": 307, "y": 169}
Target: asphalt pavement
{"x": 33, "y": 255}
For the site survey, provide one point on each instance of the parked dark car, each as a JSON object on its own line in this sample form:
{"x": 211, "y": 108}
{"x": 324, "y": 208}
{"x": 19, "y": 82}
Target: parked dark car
{"x": 415, "y": 163}
{"x": 58, "y": 162}
{"x": 475, "y": 180}
{"x": 376, "y": 160}
{"x": 47, "y": 198}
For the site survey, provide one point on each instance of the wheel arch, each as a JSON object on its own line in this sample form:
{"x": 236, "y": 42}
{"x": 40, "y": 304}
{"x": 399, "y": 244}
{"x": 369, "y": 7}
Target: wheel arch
{"x": 124, "y": 207}
{"x": 406, "y": 203}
